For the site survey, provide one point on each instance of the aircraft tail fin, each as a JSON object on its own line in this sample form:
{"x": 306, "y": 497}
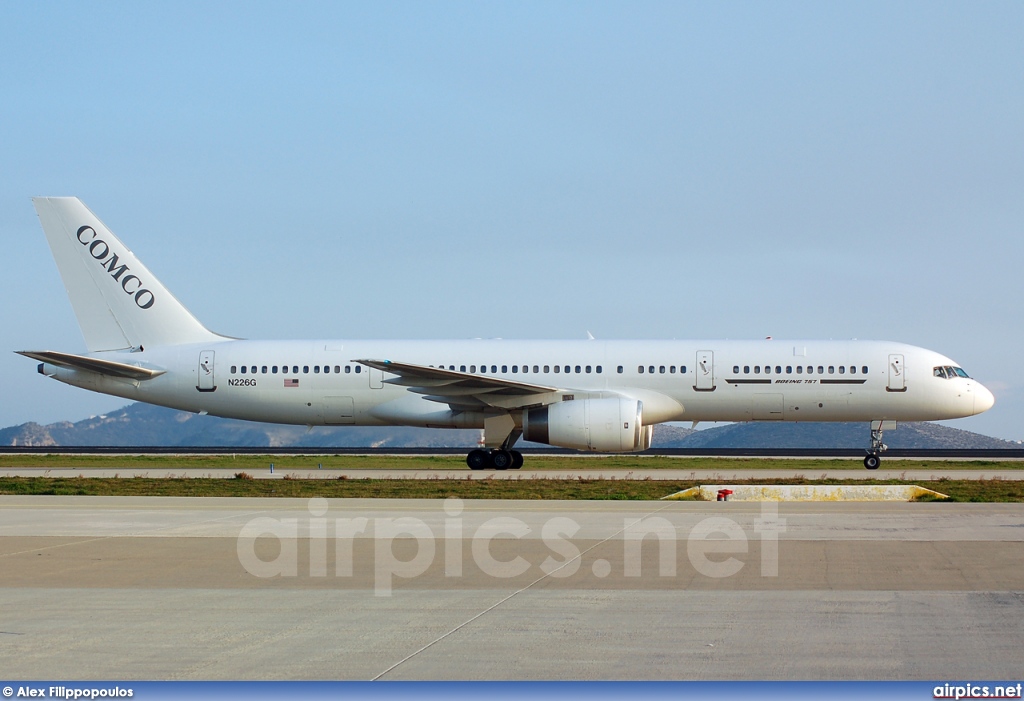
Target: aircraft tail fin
{"x": 119, "y": 303}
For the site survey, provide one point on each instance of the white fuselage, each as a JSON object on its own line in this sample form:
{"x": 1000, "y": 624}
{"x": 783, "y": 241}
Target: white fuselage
{"x": 285, "y": 381}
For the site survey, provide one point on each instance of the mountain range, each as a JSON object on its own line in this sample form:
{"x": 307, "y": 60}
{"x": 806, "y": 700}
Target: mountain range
{"x": 142, "y": 425}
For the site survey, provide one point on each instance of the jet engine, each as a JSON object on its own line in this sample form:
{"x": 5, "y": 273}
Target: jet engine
{"x": 609, "y": 425}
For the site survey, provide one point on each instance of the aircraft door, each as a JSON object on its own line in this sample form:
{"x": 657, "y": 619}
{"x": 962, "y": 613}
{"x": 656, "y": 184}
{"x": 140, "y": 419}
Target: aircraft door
{"x": 205, "y": 382}
{"x": 376, "y": 378}
{"x": 705, "y": 371}
{"x": 767, "y": 407}
{"x": 897, "y": 376}
{"x": 339, "y": 411}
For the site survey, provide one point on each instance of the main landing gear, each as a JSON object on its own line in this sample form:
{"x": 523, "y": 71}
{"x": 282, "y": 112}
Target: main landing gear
{"x": 500, "y": 434}
{"x": 497, "y": 459}
{"x": 874, "y": 458}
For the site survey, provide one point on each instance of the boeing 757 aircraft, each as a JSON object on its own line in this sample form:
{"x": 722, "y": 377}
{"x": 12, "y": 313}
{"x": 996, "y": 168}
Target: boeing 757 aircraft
{"x": 602, "y": 396}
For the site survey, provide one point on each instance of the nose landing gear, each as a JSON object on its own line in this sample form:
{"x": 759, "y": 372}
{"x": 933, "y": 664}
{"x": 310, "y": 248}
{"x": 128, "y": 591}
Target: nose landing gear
{"x": 874, "y": 458}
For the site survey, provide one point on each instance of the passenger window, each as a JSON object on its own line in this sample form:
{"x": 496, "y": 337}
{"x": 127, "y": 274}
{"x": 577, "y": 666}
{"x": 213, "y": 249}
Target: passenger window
{"x": 234, "y": 369}
{"x": 359, "y": 369}
{"x": 598, "y": 369}
{"x": 746, "y": 369}
{"x": 577, "y": 369}
{"x": 316, "y": 369}
{"x": 778, "y": 369}
{"x": 853, "y": 369}
{"x": 661, "y": 369}
{"x": 327, "y": 368}
{"x": 547, "y": 369}
{"x": 504, "y": 368}
{"x": 588, "y": 369}
{"x": 263, "y": 370}
{"x": 273, "y": 370}
{"x": 789, "y": 369}
{"x": 799, "y": 369}
{"x": 757, "y": 369}
{"x": 842, "y": 369}
{"x": 619, "y": 370}
{"x": 536, "y": 369}
{"x": 682, "y": 370}
{"x": 558, "y": 369}
{"x": 735, "y": 369}
{"x": 494, "y": 368}
{"x": 462, "y": 368}
{"x": 305, "y": 369}
{"x": 244, "y": 369}
{"x": 568, "y": 369}
{"x": 253, "y": 369}
{"x": 831, "y": 369}
{"x": 515, "y": 369}
{"x": 650, "y": 369}
{"x": 821, "y": 369}
{"x": 639, "y": 369}
{"x": 864, "y": 370}
{"x": 767, "y": 369}
{"x": 348, "y": 369}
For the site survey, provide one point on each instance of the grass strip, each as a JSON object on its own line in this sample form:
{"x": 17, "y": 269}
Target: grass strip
{"x": 578, "y": 489}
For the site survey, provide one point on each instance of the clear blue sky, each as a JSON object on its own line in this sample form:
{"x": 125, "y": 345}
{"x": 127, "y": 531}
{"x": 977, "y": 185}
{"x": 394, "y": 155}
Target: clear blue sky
{"x": 528, "y": 170}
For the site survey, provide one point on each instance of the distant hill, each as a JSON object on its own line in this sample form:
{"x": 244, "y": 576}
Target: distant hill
{"x": 772, "y": 434}
{"x": 139, "y": 425}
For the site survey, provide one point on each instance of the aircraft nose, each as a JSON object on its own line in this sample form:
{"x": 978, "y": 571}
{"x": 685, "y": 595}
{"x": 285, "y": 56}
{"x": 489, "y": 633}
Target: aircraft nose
{"x": 983, "y": 399}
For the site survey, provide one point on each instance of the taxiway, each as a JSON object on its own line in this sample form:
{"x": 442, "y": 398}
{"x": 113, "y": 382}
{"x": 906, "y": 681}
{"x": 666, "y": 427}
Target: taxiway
{"x": 164, "y": 588}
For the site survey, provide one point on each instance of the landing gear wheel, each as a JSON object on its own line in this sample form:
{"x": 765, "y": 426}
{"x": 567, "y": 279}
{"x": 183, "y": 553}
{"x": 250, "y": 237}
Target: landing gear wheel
{"x": 517, "y": 459}
{"x": 872, "y": 461}
{"x": 501, "y": 459}
{"x": 477, "y": 459}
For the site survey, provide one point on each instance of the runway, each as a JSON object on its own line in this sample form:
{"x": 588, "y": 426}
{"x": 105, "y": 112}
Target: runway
{"x": 180, "y": 588}
{"x": 666, "y": 474}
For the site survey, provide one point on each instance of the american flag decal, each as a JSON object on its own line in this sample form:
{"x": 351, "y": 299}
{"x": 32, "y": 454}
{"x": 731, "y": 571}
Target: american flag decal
{"x": 291, "y": 383}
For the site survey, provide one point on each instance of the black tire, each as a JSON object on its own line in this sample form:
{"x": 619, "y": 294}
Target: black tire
{"x": 872, "y": 462}
{"x": 477, "y": 459}
{"x": 501, "y": 459}
{"x": 517, "y": 459}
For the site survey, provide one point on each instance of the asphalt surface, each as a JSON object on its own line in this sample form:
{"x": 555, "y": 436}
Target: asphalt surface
{"x": 668, "y": 474}
{"x": 179, "y": 588}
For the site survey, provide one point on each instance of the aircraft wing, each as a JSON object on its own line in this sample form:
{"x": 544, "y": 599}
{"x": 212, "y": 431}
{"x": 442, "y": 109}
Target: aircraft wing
{"x": 97, "y": 365}
{"x": 463, "y": 390}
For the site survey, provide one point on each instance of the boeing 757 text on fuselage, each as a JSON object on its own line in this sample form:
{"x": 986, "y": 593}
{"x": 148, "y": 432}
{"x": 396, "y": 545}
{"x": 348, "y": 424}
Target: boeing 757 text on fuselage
{"x": 602, "y": 396}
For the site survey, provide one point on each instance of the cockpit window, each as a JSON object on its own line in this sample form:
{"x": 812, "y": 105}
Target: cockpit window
{"x": 949, "y": 372}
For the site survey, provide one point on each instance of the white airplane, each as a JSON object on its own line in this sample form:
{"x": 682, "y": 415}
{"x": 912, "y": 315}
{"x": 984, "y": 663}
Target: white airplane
{"x": 603, "y": 396}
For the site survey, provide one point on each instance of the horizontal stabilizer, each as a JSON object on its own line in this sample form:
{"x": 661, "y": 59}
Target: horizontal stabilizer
{"x": 100, "y": 367}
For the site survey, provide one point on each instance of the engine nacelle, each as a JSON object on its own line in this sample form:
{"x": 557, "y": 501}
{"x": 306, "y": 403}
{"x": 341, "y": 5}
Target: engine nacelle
{"x": 605, "y": 425}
